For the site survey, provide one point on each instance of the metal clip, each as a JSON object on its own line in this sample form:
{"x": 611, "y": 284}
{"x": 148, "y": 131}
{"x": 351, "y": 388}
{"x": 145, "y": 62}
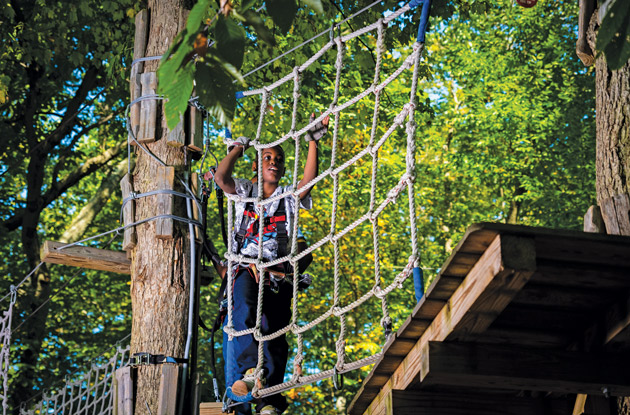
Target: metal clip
{"x": 140, "y": 359}
{"x": 337, "y": 379}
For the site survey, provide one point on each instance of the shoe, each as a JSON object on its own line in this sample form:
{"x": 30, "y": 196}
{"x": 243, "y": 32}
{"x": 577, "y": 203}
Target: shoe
{"x": 246, "y": 385}
{"x": 269, "y": 410}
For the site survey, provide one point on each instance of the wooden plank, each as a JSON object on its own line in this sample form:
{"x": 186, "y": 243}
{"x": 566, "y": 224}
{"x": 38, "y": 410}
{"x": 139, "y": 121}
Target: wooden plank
{"x": 167, "y": 394}
{"x": 176, "y": 136}
{"x": 530, "y": 369}
{"x": 211, "y": 408}
{"x": 124, "y": 391}
{"x": 85, "y": 257}
{"x": 195, "y": 187}
{"x": 563, "y": 298}
{"x": 129, "y": 214}
{"x": 499, "y": 274}
{"x": 608, "y": 252}
{"x": 440, "y": 403}
{"x": 165, "y": 179}
{"x": 148, "y": 108}
{"x": 195, "y": 129}
{"x": 586, "y": 276}
{"x": 616, "y": 214}
{"x": 135, "y": 86}
{"x": 593, "y": 220}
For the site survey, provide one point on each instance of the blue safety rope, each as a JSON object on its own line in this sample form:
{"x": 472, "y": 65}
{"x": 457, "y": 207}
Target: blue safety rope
{"x": 424, "y": 17}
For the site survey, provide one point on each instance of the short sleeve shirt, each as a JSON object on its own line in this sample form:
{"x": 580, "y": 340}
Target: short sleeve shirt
{"x": 246, "y": 188}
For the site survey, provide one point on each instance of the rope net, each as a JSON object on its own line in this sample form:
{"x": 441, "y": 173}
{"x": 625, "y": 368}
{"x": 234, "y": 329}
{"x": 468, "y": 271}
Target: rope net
{"x": 379, "y": 199}
{"x": 5, "y": 339}
{"x": 89, "y": 393}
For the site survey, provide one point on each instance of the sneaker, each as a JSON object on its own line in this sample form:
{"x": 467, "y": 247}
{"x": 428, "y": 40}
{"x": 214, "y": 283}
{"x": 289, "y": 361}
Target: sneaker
{"x": 246, "y": 385}
{"x": 269, "y": 410}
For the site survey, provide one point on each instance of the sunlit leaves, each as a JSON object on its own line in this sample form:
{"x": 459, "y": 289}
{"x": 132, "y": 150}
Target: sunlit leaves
{"x": 613, "y": 37}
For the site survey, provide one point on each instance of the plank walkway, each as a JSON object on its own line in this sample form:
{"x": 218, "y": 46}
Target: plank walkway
{"x": 519, "y": 319}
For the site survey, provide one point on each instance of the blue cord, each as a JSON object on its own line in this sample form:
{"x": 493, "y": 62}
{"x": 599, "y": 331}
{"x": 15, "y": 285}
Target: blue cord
{"x": 424, "y": 17}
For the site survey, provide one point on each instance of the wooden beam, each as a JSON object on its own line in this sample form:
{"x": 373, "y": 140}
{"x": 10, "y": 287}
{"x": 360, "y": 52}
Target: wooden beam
{"x": 129, "y": 214}
{"x": 503, "y": 269}
{"x": 167, "y": 394}
{"x": 123, "y": 391}
{"x": 593, "y": 220}
{"x": 531, "y": 369}
{"x": 211, "y": 408}
{"x": 616, "y": 214}
{"x": 85, "y": 257}
{"x": 416, "y": 402}
{"x": 148, "y": 109}
{"x": 195, "y": 129}
{"x": 176, "y": 136}
{"x": 135, "y": 86}
{"x": 165, "y": 179}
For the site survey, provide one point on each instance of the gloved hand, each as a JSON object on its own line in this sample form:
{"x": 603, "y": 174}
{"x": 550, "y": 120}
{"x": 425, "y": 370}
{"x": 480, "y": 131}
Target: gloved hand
{"x": 318, "y": 130}
{"x": 304, "y": 281}
{"x": 242, "y": 141}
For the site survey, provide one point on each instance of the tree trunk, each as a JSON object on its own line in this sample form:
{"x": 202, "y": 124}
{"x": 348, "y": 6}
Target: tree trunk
{"x": 612, "y": 106}
{"x": 160, "y": 267}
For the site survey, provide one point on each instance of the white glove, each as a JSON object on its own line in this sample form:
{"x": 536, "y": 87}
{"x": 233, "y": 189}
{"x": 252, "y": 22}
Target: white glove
{"x": 318, "y": 130}
{"x": 242, "y": 141}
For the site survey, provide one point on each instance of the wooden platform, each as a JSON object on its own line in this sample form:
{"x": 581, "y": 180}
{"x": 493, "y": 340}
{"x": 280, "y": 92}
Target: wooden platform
{"x": 518, "y": 319}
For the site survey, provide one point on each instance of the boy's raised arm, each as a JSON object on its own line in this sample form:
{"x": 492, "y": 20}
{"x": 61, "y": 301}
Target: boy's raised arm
{"x": 223, "y": 175}
{"x": 311, "y": 168}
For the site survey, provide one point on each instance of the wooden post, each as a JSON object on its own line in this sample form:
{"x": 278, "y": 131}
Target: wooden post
{"x": 123, "y": 403}
{"x": 593, "y": 221}
{"x": 195, "y": 129}
{"x": 176, "y": 136}
{"x": 195, "y": 186}
{"x": 167, "y": 397}
{"x": 139, "y": 47}
{"x": 148, "y": 109}
{"x": 129, "y": 214}
{"x": 616, "y": 214}
{"x": 85, "y": 257}
{"x": 165, "y": 179}
{"x": 211, "y": 408}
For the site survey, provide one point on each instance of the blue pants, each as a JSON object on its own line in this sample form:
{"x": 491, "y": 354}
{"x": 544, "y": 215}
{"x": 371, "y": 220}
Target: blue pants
{"x": 241, "y": 353}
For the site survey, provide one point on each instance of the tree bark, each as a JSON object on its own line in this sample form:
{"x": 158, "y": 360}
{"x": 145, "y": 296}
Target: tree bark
{"x": 160, "y": 270}
{"x": 612, "y": 105}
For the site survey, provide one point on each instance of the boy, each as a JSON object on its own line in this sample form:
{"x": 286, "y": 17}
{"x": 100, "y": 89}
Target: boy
{"x": 241, "y": 354}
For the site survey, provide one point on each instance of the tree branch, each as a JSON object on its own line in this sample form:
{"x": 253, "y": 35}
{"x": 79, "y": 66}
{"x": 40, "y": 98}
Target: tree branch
{"x": 90, "y": 166}
{"x": 86, "y": 215}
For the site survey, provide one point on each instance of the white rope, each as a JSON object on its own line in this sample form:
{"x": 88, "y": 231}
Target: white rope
{"x": 338, "y": 308}
{"x": 5, "y": 343}
{"x": 88, "y": 392}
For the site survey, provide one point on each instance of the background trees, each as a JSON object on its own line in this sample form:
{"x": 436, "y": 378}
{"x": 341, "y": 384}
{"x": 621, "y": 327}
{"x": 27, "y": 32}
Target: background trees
{"x": 500, "y": 138}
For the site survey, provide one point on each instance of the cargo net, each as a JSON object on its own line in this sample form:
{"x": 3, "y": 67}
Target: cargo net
{"x": 89, "y": 392}
{"x": 403, "y": 119}
{"x": 5, "y": 338}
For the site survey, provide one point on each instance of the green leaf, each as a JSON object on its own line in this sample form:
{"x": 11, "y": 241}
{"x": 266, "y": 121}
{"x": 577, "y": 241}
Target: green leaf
{"x": 315, "y": 5}
{"x": 613, "y": 37}
{"x": 282, "y": 12}
{"x": 177, "y": 92}
{"x": 217, "y": 92}
{"x": 230, "y": 39}
{"x": 253, "y": 19}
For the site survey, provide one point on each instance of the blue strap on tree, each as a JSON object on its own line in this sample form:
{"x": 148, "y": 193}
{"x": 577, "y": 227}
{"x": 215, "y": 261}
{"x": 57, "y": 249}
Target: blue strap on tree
{"x": 424, "y": 17}
{"x": 418, "y": 283}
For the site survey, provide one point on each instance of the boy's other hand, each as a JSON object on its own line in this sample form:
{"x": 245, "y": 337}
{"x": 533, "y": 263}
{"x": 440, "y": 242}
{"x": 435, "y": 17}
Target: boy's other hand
{"x": 242, "y": 141}
{"x": 318, "y": 130}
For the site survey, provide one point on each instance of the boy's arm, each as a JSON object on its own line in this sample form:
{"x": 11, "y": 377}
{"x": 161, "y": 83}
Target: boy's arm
{"x": 311, "y": 169}
{"x": 223, "y": 175}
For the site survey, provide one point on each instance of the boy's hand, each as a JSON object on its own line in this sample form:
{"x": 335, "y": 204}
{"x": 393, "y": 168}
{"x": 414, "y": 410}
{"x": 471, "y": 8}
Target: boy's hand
{"x": 242, "y": 141}
{"x": 318, "y": 130}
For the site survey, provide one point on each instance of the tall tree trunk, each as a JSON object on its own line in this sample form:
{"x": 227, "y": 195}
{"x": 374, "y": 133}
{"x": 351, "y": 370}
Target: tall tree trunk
{"x": 160, "y": 267}
{"x": 612, "y": 106}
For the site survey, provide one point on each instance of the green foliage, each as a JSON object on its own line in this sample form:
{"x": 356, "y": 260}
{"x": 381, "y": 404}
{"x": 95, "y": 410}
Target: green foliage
{"x": 613, "y": 37}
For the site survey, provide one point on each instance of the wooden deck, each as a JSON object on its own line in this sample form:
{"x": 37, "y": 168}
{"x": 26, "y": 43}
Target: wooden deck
{"x": 519, "y": 319}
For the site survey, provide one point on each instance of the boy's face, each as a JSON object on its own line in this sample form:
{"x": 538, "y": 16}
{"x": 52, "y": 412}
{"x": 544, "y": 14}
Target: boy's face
{"x": 272, "y": 165}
